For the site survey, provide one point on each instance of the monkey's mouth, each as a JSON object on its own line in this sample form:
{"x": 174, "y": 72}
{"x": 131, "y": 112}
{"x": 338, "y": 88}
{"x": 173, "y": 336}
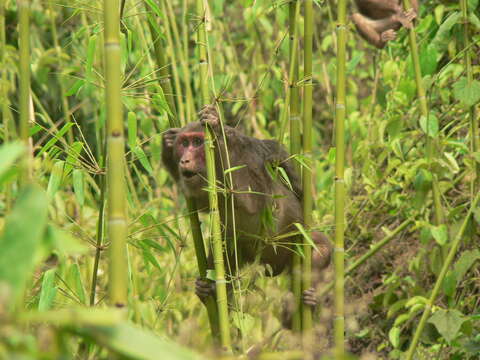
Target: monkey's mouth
{"x": 188, "y": 174}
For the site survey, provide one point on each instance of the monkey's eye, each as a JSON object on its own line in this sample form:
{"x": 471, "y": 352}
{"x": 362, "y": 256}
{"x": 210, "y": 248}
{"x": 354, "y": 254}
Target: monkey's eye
{"x": 185, "y": 142}
{"x": 197, "y": 141}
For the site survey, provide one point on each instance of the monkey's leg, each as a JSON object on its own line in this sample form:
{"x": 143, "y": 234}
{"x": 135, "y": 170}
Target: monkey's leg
{"x": 371, "y": 30}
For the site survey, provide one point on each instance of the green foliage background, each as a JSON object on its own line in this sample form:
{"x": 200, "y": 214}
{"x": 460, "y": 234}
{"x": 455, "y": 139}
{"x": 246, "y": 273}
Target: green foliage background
{"x": 44, "y": 299}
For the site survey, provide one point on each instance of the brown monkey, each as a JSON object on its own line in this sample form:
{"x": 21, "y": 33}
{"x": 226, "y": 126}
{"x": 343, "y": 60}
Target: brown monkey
{"x": 378, "y": 20}
{"x": 264, "y": 207}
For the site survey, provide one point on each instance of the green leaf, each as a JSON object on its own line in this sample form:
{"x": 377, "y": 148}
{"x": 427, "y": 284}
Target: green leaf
{"x": 9, "y": 153}
{"x": 394, "y": 336}
{"x": 78, "y": 186}
{"x": 55, "y": 178}
{"x": 24, "y": 229}
{"x": 130, "y": 341}
{"x": 48, "y": 292}
{"x": 448, "y": 323}
{"x": 464, "y": 263}
{"x": 467, "y": 94}
{"x": 428, "y": 60}
{"x": 76, "y": 277}
{"x": 442, "y": 37}
{"x": 62, "y": 242}
{"x": 429, "y": 125}
{"x": 55, "y": 138}
{"x": 440, "y": 234}
{"x": 74, "y": 152}
{"x": 132, "y": 129}
{"x": 142, "y": 157}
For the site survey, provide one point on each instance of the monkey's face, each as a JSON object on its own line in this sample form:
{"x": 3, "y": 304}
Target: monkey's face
{"x": 191, "y": 159}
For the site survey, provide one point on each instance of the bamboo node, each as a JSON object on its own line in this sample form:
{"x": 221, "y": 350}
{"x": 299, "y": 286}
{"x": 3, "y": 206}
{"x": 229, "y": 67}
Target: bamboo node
{"x": 221, "y": 281}
{"x": 339, "y": 249}
{"x": 339, "y": 106}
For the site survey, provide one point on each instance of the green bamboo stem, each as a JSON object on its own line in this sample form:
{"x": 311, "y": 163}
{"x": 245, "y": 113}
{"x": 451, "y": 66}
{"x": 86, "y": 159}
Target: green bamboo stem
{"x": 24, "y": 82}
{"x": 176, "y": 76}
{"x": 307, "y": 152}
{"x": 165, "y": 81}
{"x": 291, "y": 73}
{"x": 441, "y": 277}
{"x": 373, "y": 250}
{"x": 182, "y": 56}
{"x": 216, "y": 233}
{"x": 474, "y": 125}
{"x": 295, "y": 148}
{"x": 340, "y": 221}
{"x": 437, "y": 203}
{"x": 117, "y": 222}
{"x": 100, "y": 234}
{"x": 192, "y": 208}
{"x": 4, "y": 103}
{"x": 64, "y": 100}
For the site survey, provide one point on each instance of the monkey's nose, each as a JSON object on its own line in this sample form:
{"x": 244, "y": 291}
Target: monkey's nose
{"x": 183, "y": 162}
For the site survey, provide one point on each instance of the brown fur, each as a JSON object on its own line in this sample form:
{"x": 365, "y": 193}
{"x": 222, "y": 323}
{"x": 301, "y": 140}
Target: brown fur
{"x": 378, "y": 20}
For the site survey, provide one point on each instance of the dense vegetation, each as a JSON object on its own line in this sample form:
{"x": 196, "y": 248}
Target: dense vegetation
{"x": 412, "y": 178}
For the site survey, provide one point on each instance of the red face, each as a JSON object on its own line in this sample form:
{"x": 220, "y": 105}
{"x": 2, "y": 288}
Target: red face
{"x": 191, "y": 154}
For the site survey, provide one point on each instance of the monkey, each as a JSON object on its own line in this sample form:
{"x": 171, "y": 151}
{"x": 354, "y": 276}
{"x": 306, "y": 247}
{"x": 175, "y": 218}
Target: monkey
{"x": 378, "y": 20}
{"x": 265, "y": 208}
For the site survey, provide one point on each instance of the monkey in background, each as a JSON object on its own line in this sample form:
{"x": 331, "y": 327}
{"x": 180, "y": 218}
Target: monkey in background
{"x": 378, "y": 20}
{"x": 265, "y": 209}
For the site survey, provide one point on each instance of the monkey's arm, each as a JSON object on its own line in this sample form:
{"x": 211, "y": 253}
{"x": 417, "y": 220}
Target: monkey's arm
{"x": 168, "y": 157}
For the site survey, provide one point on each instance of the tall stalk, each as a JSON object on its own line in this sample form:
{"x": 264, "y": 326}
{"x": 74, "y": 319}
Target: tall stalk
{"x": 24, "y": 81}
{"x": 117, "y": 222}
{"x": 474, "y": 125}
{"x": 307, "y": 152}
{"x": 100, "y": 232}
{"x": 64, "y": 99}
{"x": 437, "y": 204}
{"x": 216, "y": 233}
{"x": 183, "y": 58}
{"x": 197, "y": 236}
{"x": 340, "y": 221}
{"x": 6, "y": 119}
{"x": 441, "y": 277}
{"x": 295, "y": 148}
{"x": 161, "y": 59}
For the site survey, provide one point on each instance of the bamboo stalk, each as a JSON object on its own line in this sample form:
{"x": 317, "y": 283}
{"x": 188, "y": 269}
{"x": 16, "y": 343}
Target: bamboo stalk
{"x": 117, "y": 222}
{"x": 6, "y": 118}
{"x": 216, "y": 234}
{"x": 340, "y": 221}
{"x": 165, "y": 82}
{"x": 99, "y": 235}
{"x": 182, "y": 56}
{"x": 291, "y": 71}
{"x": 474, "y": 125}
{"x": 373, "y": 250}
{"x": 307, "y": 152}
{"x": 175, "y": 73}
{"x": 437, "y": 203}
{"x": 197, "y": 236}
{"x": 24, "y": 82}
{"x": 441, "y": 277}
{"x": 64, "y": 99}
{"x": 295, "y": 148}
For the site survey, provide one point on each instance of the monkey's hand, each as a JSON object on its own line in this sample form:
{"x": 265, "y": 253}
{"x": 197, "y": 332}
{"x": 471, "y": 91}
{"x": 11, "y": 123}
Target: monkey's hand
{"x": 309, "y": 298}
{"x": 204, "y": 288}
{"x": 169, "y": 137}
{"x": 208, "y": 115}
{"x": 410, "y": 15}
{"x": 388, "y": 35}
